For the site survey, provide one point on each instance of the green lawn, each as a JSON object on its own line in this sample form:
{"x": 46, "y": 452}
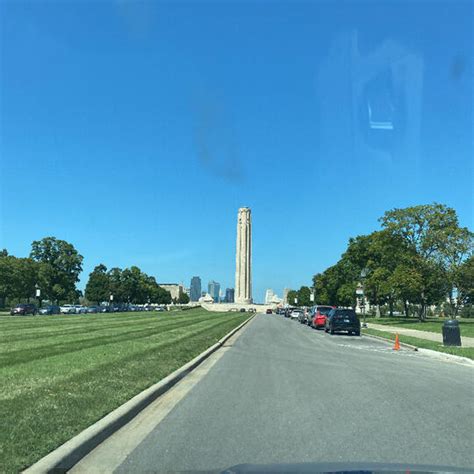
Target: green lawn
{"x": 431, "y": 324}
{"x": 423, "y": 343}
{"x": 60, "y": 374}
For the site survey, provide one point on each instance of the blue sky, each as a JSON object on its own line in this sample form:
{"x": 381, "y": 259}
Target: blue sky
{"x": 135, "y": 130}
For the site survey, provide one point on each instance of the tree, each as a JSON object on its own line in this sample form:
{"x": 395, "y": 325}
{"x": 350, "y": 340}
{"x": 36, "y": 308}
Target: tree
{"x": 98, "y": 285}
{"x": 465, "y": 279}
{"x": 292, "y": 296}
{"x": 432, "y": 232}
{"x": 18, "y": 277}
{"x": 115, "y": 284}
{"x": 183, "y": 298}
{"x": 304, "y": 296}
{"x": 162, "y": 296}
{"x": 425, "y": 228}
{"x": 59, "y": 269}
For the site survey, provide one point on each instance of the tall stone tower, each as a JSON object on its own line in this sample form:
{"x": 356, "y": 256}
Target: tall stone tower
{"x": 243, "y": 261}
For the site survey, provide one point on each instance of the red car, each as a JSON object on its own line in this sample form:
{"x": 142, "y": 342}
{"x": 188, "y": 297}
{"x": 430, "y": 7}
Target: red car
{"x": 319, "y": 318}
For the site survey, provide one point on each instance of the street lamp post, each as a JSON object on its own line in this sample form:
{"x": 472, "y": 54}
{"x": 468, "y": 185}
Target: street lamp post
{"x": 111, "y": 302}
{"x": 296, "y": 301}
{"x": 363, "y": 275}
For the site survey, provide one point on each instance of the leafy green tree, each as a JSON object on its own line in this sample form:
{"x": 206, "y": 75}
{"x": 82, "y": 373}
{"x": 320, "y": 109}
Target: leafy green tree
{"x": 6, "y": 280}
{"x": 465, "y": 282}
{"x": 304, "y": 296}
{"x": 433, "y": 233}
{"x": 163, "y": 296}
{"x": 59, "y": 269}
{"x": 115, "y": 284}
{"x": 346, "y": 295}
{"x": 320, "y": 289}
{"x": 18, "y": 277}
{"x": 426, "y": 228}
{"x": 183, "y": 298}
{"x": 134, "y": 285}
{"x": 98, "y": 286}
{"x": 292, "y": 295}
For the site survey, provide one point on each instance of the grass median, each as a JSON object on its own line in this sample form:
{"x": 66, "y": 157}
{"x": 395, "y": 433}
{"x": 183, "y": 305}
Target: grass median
{"x": 423, "y": 343}
{"x": 60, "y": 374}
{"x": 430, "y": 325}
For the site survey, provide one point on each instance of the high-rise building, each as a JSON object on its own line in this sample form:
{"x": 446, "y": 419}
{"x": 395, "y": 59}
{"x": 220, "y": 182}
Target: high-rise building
{"x": 243, "y": 260}
{"x": 229, "y": 295}
{"x": 195, "y": 290}
{"x": 213, "y": 289}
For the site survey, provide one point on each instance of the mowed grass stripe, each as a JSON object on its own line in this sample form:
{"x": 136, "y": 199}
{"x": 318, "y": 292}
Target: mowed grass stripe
{"x": 59, "y": 396}
{"x": 44, "y": 324}
{"x": 69, "y": 369}
{"x": 55, "y": 324}
{"x": 123, "y": 356}
{"x": 79, "y": 340}
{"x": 76, "y": 356}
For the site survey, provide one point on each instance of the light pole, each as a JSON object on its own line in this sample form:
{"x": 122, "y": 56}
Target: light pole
{"x": 296, "y": 301}
{"x": 111, "y": 302}
{"x": 363, "y": 275}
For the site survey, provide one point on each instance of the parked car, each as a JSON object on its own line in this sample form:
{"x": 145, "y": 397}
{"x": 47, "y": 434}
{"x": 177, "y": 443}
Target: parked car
{"x": 67, "y": 309}
{"x": 23, "y": 309}
{"x": 342, "y": 320}
{"x": 319, "y": 316}
{"x": 287, "y": 312}
{"x": 242, "y": 310}
{"x": 50, "y": 309}
{"x": 295, "y": 314}
{"x": 105, "y": 309}
{"x": 92, "y": 309}
{"x": 79, "y": 309}
{"x": 269, "y": 311}
{"x": 302, "y": 318}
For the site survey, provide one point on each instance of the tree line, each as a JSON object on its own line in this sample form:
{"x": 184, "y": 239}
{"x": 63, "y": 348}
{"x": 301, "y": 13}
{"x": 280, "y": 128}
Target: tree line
{"x": 129, "y": 285}
{"x": 421, "y": 257}
{"x": 53, "y": 267}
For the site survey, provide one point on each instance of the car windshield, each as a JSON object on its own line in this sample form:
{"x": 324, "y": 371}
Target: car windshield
{"x": 181, "y": 169}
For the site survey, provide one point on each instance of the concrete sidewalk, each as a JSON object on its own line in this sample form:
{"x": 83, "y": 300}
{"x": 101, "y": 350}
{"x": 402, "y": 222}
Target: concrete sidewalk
{"x": 430, "y": 336}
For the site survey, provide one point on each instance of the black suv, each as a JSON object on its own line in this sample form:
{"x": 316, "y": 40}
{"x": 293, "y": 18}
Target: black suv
{"x": 23, "y": 309}
{"x": 342, "y": 320}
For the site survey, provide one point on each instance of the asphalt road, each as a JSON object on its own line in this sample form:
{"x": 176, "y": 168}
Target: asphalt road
{"x": 285, "y": 393}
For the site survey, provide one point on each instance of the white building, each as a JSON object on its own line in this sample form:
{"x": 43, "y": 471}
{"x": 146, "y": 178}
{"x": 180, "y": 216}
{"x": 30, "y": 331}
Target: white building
{"x": 175, "y": 289}
{"x": 269, "y": 296}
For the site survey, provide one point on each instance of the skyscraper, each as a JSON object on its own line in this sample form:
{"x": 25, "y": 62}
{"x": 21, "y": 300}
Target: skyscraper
{"x": 195, "y": 288}
{"x": 213, "y": 289}
{"x": 243, "y": 260}
{"x": 229, "y": 295}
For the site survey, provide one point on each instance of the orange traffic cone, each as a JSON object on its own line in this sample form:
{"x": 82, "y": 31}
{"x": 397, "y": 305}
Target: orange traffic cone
{"x": 396, "y": 346}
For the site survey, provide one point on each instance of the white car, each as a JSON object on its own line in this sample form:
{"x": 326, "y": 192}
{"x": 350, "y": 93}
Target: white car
{"x": 78, "y": 309}
{"x": 67, "y": 309}
{"x": 295, "y": 313}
